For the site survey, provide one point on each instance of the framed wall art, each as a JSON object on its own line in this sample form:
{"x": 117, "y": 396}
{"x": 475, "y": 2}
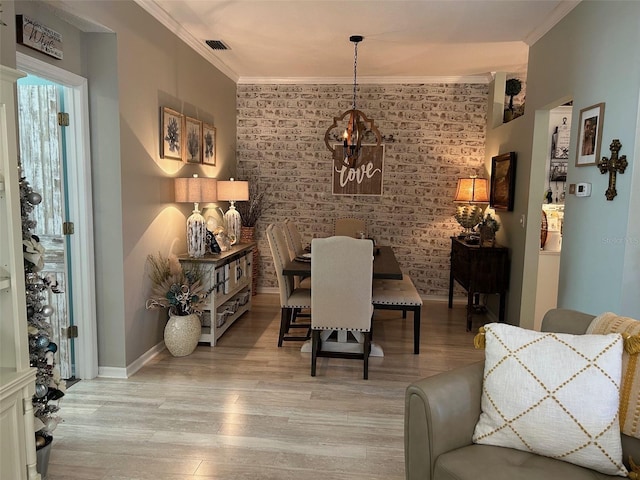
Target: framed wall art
{"x": 503, "y": 181}
{"x": 171, "y": 129}
{"x": 590, "y": 135}
{"x": 208, "y": 144}
{"x": 38, "y": 36}
{"x": 193, "y": 140}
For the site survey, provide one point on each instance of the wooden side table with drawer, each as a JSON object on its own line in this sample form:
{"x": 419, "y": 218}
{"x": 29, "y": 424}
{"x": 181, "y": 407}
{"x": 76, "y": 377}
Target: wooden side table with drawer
{"x": 479, "y": 270}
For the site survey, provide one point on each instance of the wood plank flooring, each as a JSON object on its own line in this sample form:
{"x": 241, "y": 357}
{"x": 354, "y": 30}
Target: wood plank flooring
{"x": 247, "y": 409}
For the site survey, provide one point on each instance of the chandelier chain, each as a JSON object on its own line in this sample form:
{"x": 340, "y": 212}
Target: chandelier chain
{"x": 355, "y": 72}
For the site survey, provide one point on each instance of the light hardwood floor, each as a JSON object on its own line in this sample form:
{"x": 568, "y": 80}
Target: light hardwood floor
{"x": 247, "y": 409}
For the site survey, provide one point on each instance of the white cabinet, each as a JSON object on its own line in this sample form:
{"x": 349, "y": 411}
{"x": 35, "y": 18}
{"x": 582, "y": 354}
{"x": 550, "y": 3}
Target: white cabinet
{"x": 17, "y": 378}
{"x": 17, "y": 455}
{"x": 229, "y": 275}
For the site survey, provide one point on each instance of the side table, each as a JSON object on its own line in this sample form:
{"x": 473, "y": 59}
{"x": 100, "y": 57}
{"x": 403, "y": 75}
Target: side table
{"x": 479, "y": 270}
{"x": 229, "y": 274}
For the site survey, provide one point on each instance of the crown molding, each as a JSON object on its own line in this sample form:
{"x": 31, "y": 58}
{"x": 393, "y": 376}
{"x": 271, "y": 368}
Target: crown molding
{"x": 64, "y": 10}
{"x": 558, "y": 14}
{"x": 482, "y": 79}
{"x": 153, "y": 9}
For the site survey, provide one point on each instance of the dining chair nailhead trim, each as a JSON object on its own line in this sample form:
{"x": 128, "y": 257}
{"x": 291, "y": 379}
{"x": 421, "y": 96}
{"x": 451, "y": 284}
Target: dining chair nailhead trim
{"x": 394, "y": 292}
{"x": 350, "y": 329}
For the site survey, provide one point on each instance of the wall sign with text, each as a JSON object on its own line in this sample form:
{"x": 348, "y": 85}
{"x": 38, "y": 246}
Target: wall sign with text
{"x": 365, "y": 178}
{"x": 33, "y": 34}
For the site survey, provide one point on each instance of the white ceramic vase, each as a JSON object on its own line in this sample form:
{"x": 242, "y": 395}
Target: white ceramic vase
{"x": 181, "y": 334}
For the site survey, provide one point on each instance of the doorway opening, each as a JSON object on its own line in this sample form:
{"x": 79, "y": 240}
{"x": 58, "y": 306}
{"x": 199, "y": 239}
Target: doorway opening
{"x": 57, "y": 164}
{"x": 555, "y": 188}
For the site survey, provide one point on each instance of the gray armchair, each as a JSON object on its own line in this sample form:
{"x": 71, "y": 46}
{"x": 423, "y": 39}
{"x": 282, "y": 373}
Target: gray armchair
{"x": 441, "y": 413}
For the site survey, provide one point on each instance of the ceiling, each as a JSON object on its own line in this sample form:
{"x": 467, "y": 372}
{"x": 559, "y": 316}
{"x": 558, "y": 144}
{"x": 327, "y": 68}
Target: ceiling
{"x": 405, "y": 41}
{"x": 307, "y": 41}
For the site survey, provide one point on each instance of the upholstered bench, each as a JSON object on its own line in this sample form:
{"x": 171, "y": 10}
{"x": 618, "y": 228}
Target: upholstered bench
{"x": 399, "y": 295}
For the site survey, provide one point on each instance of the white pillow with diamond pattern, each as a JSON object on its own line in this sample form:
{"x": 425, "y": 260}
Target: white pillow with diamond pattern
{"x": 553, "y": 394}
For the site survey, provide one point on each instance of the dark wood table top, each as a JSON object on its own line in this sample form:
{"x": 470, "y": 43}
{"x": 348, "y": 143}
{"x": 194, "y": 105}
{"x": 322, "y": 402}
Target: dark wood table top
{"x": 385, "y": 265}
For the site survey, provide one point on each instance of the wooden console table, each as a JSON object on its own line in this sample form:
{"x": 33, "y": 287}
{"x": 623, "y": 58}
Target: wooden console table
{"x": 230, "y": 275}
{"x": 479, "y": 270}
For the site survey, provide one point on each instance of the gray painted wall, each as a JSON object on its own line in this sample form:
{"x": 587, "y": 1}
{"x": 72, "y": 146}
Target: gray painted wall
{"x": 8, "y": 36}
{"x": 132, "y": 72}
{"x": 102, "y": 73}
{"x": 590, "y": 57}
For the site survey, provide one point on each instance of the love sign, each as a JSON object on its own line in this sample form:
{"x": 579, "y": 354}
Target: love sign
{"x": 365, "y": 178}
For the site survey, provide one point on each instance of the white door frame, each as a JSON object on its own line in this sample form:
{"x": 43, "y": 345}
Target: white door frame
{"x": 80, "y": 210}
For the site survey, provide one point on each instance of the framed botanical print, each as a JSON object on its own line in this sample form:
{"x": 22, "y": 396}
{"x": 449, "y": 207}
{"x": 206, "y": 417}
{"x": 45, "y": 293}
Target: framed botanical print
{"x": 171, "y": 133}
{"x": 503, "y": 181}
{"x": 590, "y": 135}
{"x": 208, "y": 144}
{"x": 193, "y": 140}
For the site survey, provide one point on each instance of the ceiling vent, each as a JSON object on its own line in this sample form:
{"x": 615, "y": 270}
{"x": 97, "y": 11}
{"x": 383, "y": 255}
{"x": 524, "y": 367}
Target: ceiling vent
{"x": 217, "y": 44}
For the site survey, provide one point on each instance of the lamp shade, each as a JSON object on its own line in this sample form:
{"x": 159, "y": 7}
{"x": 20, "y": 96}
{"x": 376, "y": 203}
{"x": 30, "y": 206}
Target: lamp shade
{"x": 472, "y": 190}
{"x": 196, "y": 190}
{"x": 233, "y": 190}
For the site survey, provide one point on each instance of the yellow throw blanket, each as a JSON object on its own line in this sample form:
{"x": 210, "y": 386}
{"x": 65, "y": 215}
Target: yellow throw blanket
{"x": 630, "y": 386}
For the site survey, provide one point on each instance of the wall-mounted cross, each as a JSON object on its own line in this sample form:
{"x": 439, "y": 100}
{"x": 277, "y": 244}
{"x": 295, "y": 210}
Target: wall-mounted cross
{"x": 613, "y": 165}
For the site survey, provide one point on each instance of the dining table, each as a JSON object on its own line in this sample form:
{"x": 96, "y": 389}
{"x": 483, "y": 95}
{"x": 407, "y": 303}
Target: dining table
{"x": 385, "y": 266}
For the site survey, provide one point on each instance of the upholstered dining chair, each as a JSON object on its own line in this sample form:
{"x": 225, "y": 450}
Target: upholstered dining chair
{"x": 349, "y": 227}
{"x": 341, "y": 278}
{"x": 294, "y": 242}
{"x": 294, "y": 239}
{"x": 292, "y": 300}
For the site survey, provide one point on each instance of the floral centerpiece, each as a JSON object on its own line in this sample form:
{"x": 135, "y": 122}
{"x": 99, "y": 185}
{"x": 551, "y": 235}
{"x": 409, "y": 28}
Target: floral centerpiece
{"x": 178, "y": 290}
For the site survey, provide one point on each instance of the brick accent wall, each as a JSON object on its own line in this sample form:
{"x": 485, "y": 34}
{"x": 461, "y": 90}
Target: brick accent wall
{"x": 439, "y": 133}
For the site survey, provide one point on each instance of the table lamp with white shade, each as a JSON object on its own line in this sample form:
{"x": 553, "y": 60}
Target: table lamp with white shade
{"x": 197, "y": 190}
{"x": 233, "y": 191}
{"x": 470, "y": 193}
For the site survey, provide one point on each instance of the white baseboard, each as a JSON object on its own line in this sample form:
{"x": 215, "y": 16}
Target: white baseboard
{"x": 116, "y": 372}
{"x": 112, "y": 372}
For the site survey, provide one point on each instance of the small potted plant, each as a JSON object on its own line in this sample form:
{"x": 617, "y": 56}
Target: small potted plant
{"x": 182, "y": 293}
{"x": 488, "y": 228}
{"x": 513, "y": 87}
